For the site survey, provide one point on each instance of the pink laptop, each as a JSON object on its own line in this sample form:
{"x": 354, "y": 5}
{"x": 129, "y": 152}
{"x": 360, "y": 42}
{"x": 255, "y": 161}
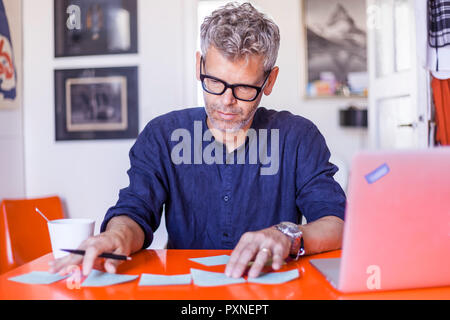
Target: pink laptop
{"x": 397, "y": 223}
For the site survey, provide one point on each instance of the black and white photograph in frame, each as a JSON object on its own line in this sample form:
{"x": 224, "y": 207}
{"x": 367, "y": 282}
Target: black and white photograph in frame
{"x": 95, "y": 27}
{"x": 336, "y": 48}
{"x": 100, "y": 103}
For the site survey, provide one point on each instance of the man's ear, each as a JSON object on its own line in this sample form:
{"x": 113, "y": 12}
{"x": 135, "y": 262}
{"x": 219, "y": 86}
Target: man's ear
{"x": 271, "y": 81}
{"x": 198, "y": 56}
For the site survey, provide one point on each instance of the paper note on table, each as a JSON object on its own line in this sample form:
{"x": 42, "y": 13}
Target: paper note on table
{"x": 164, "y": 280}
{"x": 275, "y": 277}
{"x": 211, "y": 279}
{"x": 212, "y": 261}
{"x": 99, "y": 279}
{"x": 38, "y": 277}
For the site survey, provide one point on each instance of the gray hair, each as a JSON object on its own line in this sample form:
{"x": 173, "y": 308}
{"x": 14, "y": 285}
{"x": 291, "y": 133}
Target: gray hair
{"x": 238, "y": 31}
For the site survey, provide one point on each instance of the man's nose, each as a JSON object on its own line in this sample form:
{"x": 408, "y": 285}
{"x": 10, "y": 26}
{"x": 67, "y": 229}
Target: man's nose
{"x": 228, "y": 97}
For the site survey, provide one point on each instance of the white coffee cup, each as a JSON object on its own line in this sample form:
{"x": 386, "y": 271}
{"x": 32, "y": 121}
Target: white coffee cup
{"x": 69, "y": 234}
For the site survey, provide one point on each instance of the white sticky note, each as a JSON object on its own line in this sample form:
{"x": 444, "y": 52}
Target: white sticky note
{"x": 213, "y": 260}
{"x": 99, "y": 279}
{"x": 275, "y": 277}
{"x": 38, "y": 277}
{"x": 211, "y": 279}
{"x": 164, "y": 280}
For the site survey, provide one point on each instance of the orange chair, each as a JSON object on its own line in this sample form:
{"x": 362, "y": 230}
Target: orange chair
{"x": 23, "y": 232}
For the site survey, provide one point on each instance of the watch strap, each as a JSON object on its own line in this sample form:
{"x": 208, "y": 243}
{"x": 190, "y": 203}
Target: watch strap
{"x": 301, "y": 250}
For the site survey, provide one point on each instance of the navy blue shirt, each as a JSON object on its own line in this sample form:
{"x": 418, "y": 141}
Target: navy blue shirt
{"x": 210, "y": 204}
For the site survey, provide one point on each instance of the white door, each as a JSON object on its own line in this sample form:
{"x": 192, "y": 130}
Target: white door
{"x": 399, "y": 84}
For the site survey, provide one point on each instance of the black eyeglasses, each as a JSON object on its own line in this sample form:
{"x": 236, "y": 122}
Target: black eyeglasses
{"x": 216, "y": 86}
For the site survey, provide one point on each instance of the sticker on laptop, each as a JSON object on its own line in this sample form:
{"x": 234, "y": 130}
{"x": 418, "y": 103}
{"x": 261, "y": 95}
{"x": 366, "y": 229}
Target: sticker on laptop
{"x": 377, "y": 174}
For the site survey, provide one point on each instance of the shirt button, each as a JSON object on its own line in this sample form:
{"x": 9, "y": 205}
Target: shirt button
{"x": 225, "y": 234}
{"x": 226, "y": 198}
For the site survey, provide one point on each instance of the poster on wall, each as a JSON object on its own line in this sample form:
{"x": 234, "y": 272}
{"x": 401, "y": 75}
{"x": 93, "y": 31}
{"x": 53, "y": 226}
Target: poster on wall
{"x": 336, "y": 48}
{"x": 10, "y": 54}
{"x": 97, "y": 103}
{"x": 95, "y": 27}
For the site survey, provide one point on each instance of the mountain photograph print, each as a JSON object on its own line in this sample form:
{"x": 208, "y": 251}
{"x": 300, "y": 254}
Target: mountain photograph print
{"x": 336, "y": 45}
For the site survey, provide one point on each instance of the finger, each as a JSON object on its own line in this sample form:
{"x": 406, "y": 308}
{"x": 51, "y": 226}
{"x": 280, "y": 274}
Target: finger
{"x": 247, "y": 254}
{"x": 260, "y": 260}
{"x": 94, "y": 248}
{"x": 90, "y": 255}
{"x": 62, "y": 264}
{"x": 112, "y": 264}
{"x": 277, "y": 262}
{"x": 280, "y": 252}
{"x": 243, "y": 242}
{"x": 57, "y": 264}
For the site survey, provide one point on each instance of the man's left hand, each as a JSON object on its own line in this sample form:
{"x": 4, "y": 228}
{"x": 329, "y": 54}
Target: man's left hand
{"x": 260, "y": 246}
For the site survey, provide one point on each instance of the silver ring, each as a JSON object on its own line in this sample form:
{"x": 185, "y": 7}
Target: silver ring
{"x": 267, "y": 250}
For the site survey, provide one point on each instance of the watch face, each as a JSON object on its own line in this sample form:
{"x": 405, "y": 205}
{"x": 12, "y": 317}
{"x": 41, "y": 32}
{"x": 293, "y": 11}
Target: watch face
{"x": 291, "y": 227}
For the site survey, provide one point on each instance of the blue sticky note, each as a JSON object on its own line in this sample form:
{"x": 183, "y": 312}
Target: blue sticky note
{"x": 99, "y": 279}
{"x": 275, "y": 277}
{"x": 212, "y": 261}
{"x": 211, "y": 279}
{"x": 377, "y": 174}
{"x": 38, "y": 277}
{"x": 164, "y": 280}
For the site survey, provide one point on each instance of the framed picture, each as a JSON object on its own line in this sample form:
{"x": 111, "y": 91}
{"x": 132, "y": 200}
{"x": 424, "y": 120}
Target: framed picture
{"x": 100, "y": 103}
{"x": 336, "y": 48}
{"x": 95, "y": 27}
{"x": 10, "y": 54}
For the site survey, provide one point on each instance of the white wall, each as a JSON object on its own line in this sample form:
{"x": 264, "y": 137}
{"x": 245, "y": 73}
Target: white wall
{"x": 12, "y": 184}
{"x": 288, "y": 93}
{"x": 88, "y": 174}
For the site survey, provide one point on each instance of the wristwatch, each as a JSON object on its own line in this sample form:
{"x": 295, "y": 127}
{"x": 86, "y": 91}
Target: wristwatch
{"x": 295, "y": 234}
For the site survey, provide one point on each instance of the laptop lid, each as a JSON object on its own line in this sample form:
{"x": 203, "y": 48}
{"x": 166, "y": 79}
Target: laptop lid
{"x": 397, "y": 228}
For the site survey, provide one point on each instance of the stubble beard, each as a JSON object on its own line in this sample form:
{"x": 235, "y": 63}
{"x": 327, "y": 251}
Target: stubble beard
{"x": 228, "y": 126}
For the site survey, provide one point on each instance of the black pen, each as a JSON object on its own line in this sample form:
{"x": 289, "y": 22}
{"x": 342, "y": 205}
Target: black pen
{"x": 103, "y": 255}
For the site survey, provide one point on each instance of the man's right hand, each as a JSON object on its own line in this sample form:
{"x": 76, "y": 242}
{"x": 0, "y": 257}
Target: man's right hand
{"x": 122, "y": 236}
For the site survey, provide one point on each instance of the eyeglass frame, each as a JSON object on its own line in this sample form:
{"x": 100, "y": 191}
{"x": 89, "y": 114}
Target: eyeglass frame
{"x": 231, "y": 86}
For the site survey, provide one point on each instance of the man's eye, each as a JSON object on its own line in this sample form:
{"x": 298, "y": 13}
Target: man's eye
{"x": 244, "y": 89}
{"x": 214, "y": 83}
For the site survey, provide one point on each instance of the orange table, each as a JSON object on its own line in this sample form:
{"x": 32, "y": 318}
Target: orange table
{"x": 310, "y": 285}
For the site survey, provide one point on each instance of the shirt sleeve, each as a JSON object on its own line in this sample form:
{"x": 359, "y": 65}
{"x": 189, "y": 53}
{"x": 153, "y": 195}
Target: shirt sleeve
{"x": 146, "y": 193}
{"x": 317, "y": 193}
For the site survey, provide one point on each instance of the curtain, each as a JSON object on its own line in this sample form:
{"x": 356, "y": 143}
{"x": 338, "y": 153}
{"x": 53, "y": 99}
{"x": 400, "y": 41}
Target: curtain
{"x": 441, "y": 96}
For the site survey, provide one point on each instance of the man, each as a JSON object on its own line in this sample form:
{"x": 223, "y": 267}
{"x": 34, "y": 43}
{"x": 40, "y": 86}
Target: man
{"x": 224, "y": 199}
